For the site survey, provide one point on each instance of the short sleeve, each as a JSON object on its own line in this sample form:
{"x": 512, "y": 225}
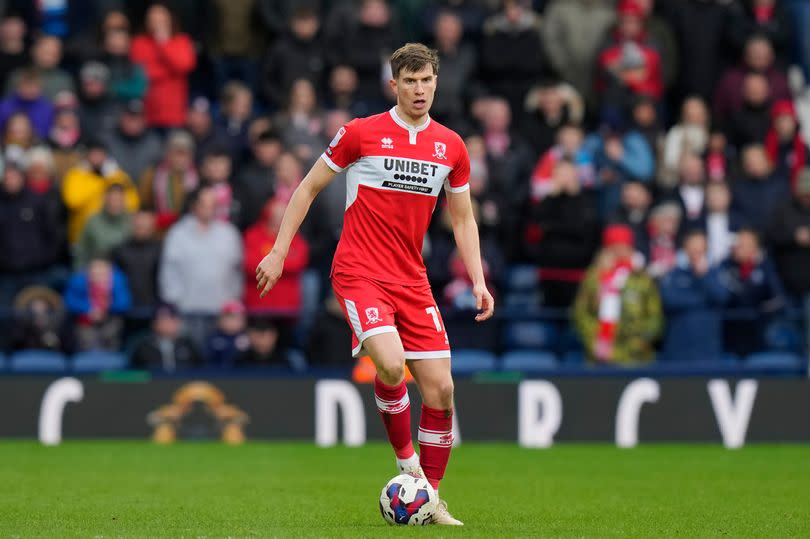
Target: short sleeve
{"x": 459, "y": 178}
{"x": 344, "y": 148}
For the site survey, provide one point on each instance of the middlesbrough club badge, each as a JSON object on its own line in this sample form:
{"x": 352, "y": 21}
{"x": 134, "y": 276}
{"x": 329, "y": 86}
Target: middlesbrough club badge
{"x": 372, "y": 315}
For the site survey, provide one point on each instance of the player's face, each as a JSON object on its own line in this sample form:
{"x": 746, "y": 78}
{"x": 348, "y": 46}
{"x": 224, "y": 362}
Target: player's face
{"x": 414, "y": 90}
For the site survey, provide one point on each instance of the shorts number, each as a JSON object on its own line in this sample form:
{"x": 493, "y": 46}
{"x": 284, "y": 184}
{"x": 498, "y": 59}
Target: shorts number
{"x": 432, "y": 312}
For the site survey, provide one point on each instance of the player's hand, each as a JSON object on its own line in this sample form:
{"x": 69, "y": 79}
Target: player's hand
{"x": 268, "y": 272}
{"x": 483, "y": 302}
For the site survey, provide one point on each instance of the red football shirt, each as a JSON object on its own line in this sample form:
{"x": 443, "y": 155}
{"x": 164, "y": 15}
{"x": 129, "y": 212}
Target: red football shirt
{"x": 395, "y": 173}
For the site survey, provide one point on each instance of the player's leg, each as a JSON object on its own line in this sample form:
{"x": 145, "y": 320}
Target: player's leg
{"x": 391, "y": 395}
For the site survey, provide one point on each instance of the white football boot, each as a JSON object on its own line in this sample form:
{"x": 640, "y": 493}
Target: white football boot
{"x": 442, "y": 516}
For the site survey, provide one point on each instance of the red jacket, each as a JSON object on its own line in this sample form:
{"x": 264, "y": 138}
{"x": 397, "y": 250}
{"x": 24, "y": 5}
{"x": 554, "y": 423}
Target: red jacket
{"x": 285, "y": 298}
{"x": 650, "y": 84}
{"x": 167, "y": 67}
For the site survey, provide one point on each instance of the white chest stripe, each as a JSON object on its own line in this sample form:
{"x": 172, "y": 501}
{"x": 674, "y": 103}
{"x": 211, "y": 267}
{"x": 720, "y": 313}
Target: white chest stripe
{"x": 395, "y": 174}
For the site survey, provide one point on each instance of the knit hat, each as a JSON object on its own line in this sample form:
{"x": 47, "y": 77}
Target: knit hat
{"x": 783, "y": 107}
{"x": 630, "y": 8}
{"x": 618, "y": 235}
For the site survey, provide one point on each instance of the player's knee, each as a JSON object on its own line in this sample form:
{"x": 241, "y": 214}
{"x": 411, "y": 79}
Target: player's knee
{"x": 444, "y": 394}
{"x": 392, "y": 371}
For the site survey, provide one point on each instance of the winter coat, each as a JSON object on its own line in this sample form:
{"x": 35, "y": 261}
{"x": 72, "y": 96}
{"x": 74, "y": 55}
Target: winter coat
{"x": 39, "y": 111}
{"x": 728, "y": 96}
{"x": 83, "y": 192}
{"x": 139, "y": 261}
{"x": 167, "y": 66}
{"x": 30, "y": 238}
{"x": 288, "y": 60}
{"x": 756, "y": 199}
{"x": 286, "y": 294}
{"x": 201, "y": 268}
{"x": 640, "y": 322}
{"x": 792, "y": 260}
{"x": 77, "y": 294}
{"x": 135, "y": 154}
{"x": 151, "y": 353}
{"x": 101, "y": 235}
{"x": 693, "y": 309}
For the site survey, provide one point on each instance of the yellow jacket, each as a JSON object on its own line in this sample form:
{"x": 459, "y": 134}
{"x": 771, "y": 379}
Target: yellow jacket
{"x": 83, "y": 192}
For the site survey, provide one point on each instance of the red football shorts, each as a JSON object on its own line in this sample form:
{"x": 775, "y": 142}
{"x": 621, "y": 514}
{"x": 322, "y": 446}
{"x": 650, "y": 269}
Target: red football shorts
{"x": 372, "y": 307}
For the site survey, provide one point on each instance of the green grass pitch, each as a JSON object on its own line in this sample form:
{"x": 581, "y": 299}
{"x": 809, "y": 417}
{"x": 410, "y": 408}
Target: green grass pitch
{"x": 206, "y": 490}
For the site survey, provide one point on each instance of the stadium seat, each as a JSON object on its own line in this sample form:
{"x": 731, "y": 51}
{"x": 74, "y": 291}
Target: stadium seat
{"x": 530, "y": 335}
{"x": 574, "y": 357}
{"x": 522, "y": 278}
{"x": 96, "y": 361}
{"x": 783, "y": 337}
{"x": 467, "y": 361}
{"x": 527, "y": 360}
{"x": 775, "y": 360}
{"x": 37, "y": 361}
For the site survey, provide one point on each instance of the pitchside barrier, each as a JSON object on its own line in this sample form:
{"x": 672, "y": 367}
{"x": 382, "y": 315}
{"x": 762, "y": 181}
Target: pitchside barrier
{"x": 531, "y": 412}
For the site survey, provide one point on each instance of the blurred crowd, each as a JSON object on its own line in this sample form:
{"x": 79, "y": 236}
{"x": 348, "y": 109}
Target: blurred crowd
{"x": 645, "y": 158}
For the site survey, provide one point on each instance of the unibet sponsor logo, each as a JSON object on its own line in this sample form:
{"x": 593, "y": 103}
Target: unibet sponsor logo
{"x": 412, "y": 172}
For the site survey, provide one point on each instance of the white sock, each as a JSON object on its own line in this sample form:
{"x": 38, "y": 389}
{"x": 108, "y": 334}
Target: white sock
{"x": 410, "y": 462}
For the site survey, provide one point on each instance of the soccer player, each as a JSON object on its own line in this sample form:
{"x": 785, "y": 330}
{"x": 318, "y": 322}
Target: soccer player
{"x": 397, "y": 162}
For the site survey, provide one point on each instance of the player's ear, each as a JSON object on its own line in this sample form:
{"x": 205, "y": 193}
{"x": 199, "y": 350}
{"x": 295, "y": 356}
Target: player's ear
{"x": 392, "y": 83}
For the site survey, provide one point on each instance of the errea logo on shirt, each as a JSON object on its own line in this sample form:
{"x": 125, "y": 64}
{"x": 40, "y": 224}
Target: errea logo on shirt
{"x": 387, "y": 143}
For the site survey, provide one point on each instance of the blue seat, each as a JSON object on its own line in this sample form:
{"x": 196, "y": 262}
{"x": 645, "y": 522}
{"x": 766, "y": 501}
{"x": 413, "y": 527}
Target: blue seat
{"x": 522, "y": 278}
{"x": 783, "y": 337}
{"x": 574, "y": 357}
{"x": 37, "y": 361}
{"x": 526, "y": 360}
{"x": 467, "y": 361}
{"x": 530, "y": 335}
{"x": 775, "y": 360}
{"x": 96, "y": 361}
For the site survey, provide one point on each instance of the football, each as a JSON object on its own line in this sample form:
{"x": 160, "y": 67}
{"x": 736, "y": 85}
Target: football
{"x": 407, "y": 500}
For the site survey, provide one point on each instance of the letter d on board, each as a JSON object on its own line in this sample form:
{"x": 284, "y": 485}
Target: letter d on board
{"x": 58, "y": 394}
{"x": 332, "y": 396}
{"x": 539, "y": 413}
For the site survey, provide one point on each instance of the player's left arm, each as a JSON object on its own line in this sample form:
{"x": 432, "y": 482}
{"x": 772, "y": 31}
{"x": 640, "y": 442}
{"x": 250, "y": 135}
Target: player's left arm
{"x": 465, "y": 231}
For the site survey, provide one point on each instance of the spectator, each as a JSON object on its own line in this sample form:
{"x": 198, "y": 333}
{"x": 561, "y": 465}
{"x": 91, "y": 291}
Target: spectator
{"x": 201, "y": 266}
{"x": 105, "y": 230}
{"x": 97, "y": 297}
{"x": 256, "y": 180}
{"x": 619, "y": 155}
{"x": 166, "y": 348}
{"x": 229, "y": 339}
{"x": 754, "y": 291}
{"x": 749, "y": 124}
{"x": 789, "y": 236}
{"x": 471, "y": 12}
{"x": 758, "y": 191}
{"x": 127, "y": 79}
{"x": 236, "y": 113}
{"x": 329, "y": 342}
{"x": 263, "y": 346}
{"x": 573, "y": 33}
{"x": 663, "y": 224}
{"x": 662, "y": 37}
{"x": 235, "y": 40}
{"x": 28, "y": 99}
{"x": 301, "y": 125}
{"x": 13, "y": 54}
{"x": 285, "y": 298}
{"x": 98, "y": 110}
{"x": 64, "y": 140}
{"x": 720, "y": 158}
{"x": 784, "y": 144}
{"x": 343, "y": 93}
{"x": 369, "y": 34}
{"x": 459, "y": 62}
{"x": 550, "y": 106}
{"x": 693, "y": 297}
{"x": 297, "y": 54}
{"x": 689, "y": 135}
{"x": 164, "y": 187}
{"x": 722, "y": 223}
{"x": 200, "y": 125}
{"x": 85, "y": 184}
{"x": 289, "y": 174}
{"x": 40, "y": 321}
{"x": 644, "y": 119}
{"x": 134, "y": 147}
{"x": 757, "y": 58}
{"x": 630, "y": 65}
{"x": 138, "y": 258}
{"x": 512, "y": 56}
{"x": 617, "y": 311}
{"x": 634, "y": 211}
{"x": 29, "y": 236}
{"x": 691, "y": 193}
{"x": 46, "y": 55}
{"x": 18, "y": 137}
{"x": 768, "y": 18}
{"x": 215, "y": 172}
{"x": 562, "y": 234}
{"x": 168, "y": 57}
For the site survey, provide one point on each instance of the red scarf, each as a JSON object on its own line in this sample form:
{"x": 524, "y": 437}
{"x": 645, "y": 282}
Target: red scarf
{"x": 611, "y": 284}
{"x": 763, "y": 14}
{"x": 799, "y": 153}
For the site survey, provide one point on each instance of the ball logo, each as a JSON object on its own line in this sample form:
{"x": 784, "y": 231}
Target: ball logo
{"x": 439, "y": 150}
{"x": 373, "y": 315}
